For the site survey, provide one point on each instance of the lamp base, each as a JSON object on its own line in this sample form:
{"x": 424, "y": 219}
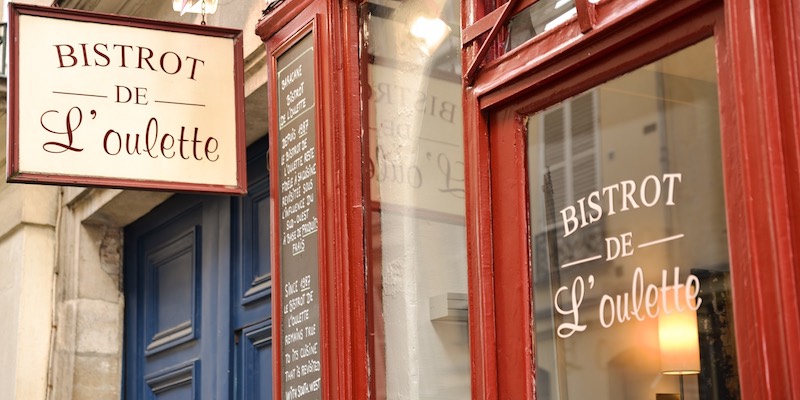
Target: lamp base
{"x": 667, "y": 396}
{"x": 681, "y": 377}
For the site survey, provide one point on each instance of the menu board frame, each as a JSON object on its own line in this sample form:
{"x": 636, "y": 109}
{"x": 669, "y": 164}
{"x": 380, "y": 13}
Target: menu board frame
{"x": 294, "y": 158}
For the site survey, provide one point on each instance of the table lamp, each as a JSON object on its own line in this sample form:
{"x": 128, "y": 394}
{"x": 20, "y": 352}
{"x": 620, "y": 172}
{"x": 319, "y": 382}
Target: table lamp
{"x": 678, "y": 338}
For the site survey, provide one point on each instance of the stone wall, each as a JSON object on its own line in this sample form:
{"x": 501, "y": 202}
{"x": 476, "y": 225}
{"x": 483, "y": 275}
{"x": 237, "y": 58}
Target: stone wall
{"x": 27, "y": 243}
{"x": 87, "y": 353}
{"x": 61, "y": 296}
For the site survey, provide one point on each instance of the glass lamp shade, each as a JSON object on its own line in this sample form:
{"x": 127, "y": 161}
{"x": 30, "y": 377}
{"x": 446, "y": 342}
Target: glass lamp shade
{"x": 678, "y": 338}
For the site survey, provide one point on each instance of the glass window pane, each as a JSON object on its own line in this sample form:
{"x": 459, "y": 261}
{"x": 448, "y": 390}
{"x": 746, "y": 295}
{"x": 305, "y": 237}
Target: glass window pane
{"x": 417, "y": 239}
{"x": 538, "y": 18}
{"x": 631, "y": 294}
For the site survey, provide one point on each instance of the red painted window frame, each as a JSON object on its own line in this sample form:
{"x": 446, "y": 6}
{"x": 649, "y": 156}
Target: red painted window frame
{"x": 761, "y": 163}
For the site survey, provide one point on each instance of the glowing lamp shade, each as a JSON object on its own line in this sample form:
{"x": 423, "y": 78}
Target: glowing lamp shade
{"x": 678, "y": 341}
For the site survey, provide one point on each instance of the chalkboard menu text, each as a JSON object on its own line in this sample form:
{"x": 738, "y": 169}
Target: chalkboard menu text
{"x": 301, "y": 367}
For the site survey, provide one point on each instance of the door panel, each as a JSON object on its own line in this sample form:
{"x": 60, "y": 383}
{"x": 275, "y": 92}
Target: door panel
{"x": 255, "y": 353}
{"x": 176, "y": 320}
{"x": 252, "y": 284}
{"x": 174, "y": 384}
{"x": 172, "y": 293}
{"x": 198, "y": 290}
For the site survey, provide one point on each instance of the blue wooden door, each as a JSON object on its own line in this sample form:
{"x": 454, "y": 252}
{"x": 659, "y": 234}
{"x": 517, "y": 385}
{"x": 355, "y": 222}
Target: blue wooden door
{"x": 252, "y": 284}
{"x": 197, "y": 293}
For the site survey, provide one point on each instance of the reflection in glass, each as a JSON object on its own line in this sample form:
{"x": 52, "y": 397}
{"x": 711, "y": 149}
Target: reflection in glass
{"x": 417, "y": 238}
{"x": 631, "y": 277}
{"x": 538, "y": 18}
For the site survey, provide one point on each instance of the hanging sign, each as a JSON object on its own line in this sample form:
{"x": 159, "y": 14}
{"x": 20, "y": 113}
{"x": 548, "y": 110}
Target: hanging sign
{"x": 114, "y": 101}
{"x": 298, "y": 277}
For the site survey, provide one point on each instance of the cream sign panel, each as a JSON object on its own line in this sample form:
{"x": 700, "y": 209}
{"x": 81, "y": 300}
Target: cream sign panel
{"x": 122, "y": 104}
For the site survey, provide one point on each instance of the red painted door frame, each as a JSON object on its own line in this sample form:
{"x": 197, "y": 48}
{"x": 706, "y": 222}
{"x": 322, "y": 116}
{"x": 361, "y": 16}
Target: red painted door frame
{"x": 761, "y": 160}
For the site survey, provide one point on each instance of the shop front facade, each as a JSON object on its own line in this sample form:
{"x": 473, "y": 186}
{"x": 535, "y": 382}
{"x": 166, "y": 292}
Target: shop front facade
{"x": 536, "y": 199}
{"x": 526, "y": 200}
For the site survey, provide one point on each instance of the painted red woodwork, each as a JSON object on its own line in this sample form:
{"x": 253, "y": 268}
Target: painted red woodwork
{"x": 510, "y": 238}
{"x": 498, "y": 26}
{"x": 761, "y": 164}
{"x": 587, "y": 16}
{"x": 760, "y": 107}
{"x": 482, "y": 311}
{"x": 339, "y": 168}
{"x": 483, "y": 22}
{"x": 564, "y": 51}
{"x": 757, "y": 55}
{"x": 483, "y": 364}
{"x": 351, "y": 191}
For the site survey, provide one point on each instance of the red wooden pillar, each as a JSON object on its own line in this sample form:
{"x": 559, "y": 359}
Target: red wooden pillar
{"x": 763, "y": 84}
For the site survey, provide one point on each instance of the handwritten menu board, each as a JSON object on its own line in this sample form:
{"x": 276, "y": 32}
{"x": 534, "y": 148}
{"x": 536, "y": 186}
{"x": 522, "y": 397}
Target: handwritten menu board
{"x": 301, "y": 369}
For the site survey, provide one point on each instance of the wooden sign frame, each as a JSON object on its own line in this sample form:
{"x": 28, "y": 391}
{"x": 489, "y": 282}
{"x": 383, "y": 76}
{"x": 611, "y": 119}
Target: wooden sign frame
{"x": 211, "y": 132}
{"x": 300, "y": 327}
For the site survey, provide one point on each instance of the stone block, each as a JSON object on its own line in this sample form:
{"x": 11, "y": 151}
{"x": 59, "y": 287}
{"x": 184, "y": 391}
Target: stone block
{"x": 97, "y": 377}
{"x": 98, "y": 270}
{"x": 99, "y": 327}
